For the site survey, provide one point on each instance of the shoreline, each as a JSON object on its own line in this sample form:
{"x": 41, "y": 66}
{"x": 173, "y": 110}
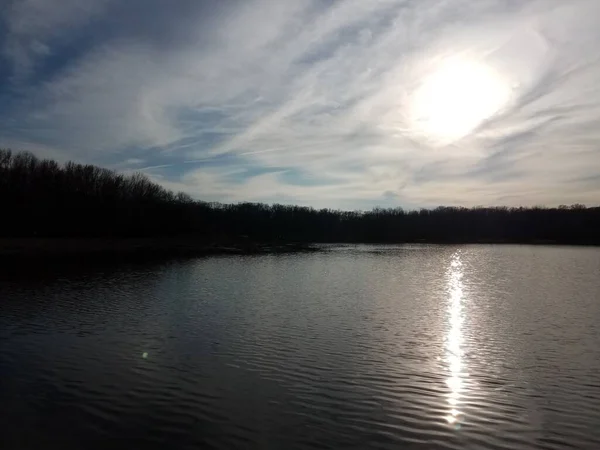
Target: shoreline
{"x": 34, "y": 249}
{"x": 44, "y": 249}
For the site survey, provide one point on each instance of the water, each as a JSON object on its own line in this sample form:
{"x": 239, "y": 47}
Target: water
{"x": 359, "y": 347}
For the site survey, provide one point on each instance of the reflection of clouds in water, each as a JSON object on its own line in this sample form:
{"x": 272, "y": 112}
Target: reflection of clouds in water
{"x": 454, "y": 341}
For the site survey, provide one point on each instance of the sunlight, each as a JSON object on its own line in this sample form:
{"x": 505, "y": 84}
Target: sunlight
{"x": 455, "y": 98}
{"x": 454, "y": 352}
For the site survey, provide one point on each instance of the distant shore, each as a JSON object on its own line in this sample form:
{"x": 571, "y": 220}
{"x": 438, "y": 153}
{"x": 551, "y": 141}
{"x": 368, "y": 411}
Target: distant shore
{"x": 34, "y": 249}
{"x": 81, "y": 249}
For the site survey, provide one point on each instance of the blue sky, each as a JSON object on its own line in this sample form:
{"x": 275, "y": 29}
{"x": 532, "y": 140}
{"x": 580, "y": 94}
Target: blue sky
{"x": 344, "y": 104}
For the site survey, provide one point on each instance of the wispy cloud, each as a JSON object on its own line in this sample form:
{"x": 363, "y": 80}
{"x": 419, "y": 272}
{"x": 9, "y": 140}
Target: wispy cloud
{"x": 310, "y": 101}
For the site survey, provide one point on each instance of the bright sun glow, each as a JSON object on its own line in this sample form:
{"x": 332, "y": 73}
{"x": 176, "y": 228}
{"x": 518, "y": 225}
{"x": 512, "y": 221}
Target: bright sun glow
{"x": 457, "y": 97}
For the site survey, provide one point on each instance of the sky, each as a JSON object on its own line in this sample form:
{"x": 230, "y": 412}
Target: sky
{"x": 345, "y": 104}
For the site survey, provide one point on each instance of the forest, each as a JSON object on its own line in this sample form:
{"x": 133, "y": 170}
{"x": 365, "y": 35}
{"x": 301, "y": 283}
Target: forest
{"x": 43, "y": 198}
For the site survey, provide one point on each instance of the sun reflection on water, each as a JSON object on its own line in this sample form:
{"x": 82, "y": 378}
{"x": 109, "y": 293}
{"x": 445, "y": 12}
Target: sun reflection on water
{"x": 454, "y": 340}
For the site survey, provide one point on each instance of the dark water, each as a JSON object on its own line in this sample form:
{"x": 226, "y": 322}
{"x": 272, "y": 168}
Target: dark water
{"x": 362, "y": 347}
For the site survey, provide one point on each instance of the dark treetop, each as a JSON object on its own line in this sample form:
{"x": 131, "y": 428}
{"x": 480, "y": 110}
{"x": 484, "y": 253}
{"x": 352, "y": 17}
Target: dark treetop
{"x": 45, "y": 199}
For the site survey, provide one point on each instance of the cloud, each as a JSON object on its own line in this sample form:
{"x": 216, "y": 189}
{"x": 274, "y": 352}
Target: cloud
{"x": 310, "y": 101}
{"x": 34, "y": 26}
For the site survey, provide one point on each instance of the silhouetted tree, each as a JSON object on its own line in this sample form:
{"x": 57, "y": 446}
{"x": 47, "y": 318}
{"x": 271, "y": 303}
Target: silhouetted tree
{"x": 44, "y": 198}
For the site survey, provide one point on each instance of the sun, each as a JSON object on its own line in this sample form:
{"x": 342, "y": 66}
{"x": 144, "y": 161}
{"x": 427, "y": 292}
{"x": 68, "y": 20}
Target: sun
{"x": 455, "y": 98}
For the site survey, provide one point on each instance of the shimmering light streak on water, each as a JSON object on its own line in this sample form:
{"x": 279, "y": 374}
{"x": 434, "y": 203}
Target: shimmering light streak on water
{"x": 454, "y": 339}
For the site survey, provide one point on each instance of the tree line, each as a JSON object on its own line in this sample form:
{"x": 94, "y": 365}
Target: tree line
{"x": 40, "y": 197}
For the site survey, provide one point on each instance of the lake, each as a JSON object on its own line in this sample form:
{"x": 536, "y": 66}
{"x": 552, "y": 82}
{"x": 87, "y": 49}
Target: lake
{"x": 412, "y": 346}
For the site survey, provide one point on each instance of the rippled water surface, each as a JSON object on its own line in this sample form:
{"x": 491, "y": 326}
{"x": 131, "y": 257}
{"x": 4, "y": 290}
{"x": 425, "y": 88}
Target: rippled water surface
{"x": 357, "y": 347}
